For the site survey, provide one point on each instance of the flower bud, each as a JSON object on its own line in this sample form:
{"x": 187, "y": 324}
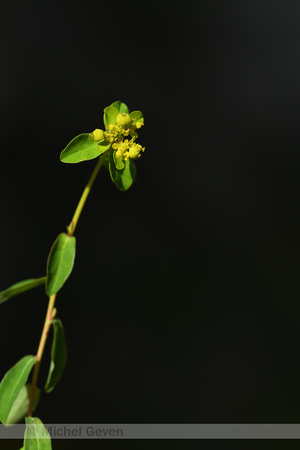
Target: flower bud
{"x": 123, "y": 120}
{"x": 98, "y": 135}
{"x": 119, "y": 154}
{"x": 134, "y": 150}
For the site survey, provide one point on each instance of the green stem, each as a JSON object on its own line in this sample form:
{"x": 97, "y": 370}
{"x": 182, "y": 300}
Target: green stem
{"x": 72, "y": 226}
{"x": 51, "y": 310}
{"x": 47, "y": 324}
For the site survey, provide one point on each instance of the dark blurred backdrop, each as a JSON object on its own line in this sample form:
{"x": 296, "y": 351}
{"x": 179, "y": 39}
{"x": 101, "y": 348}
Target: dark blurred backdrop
{"x": 184, "y": 303}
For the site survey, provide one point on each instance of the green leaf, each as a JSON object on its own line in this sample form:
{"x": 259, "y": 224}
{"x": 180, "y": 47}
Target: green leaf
{"x": 36, "y": 436}
{"x": 83, "y": 148}
{"x": 121, "y": 107}
{"x": 124, "y": 178}
{"x": 12, "y": 383}
{"x": 58, "y": 356}
{"x": 20, "y": 287}
{"x": 110, "y": 115}
{"x": 20, "y": 407}
{"x": 60, "y": 262}
{"x": 118, "y": 162}
{"x": 104, "y": 146}
{"x": 136, "y": 116}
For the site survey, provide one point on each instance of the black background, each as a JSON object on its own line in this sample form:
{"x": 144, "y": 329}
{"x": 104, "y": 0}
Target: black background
{"x": 184, "y": 303}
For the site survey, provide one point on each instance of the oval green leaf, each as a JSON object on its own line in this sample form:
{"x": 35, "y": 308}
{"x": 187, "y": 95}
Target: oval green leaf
{"x": 83, "y": 148}
{"x": 110, "y": 115}
{"x": 21, "y": 286}
{"x": 12, "y": 383}
{"x": 36, "y": 436}
{"x": 136, "y": 116}
{"x": 60, "y": 262}
{"x": 20, "y": 407}
{"x": 58, "y": 356}
{"x": 104, "y": 146}
{"x": 121, "y": 107}
{"x": 124, "y": 178}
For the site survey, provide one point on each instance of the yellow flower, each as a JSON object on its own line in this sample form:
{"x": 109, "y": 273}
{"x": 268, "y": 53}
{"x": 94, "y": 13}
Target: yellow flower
{"x": 122, "y": 149}
{"x": 123, "y": 120}
{"x": 97, "y": 135}
{"x": 127, "y": 149}
{"x": 135, "y": 150}
{"x": 122, "y": 126}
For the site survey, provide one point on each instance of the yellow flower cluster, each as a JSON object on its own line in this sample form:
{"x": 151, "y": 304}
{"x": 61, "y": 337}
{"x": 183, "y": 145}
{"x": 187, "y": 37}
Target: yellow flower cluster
{"x": 116, "y": 133}
{"x": 128, "y": 149}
